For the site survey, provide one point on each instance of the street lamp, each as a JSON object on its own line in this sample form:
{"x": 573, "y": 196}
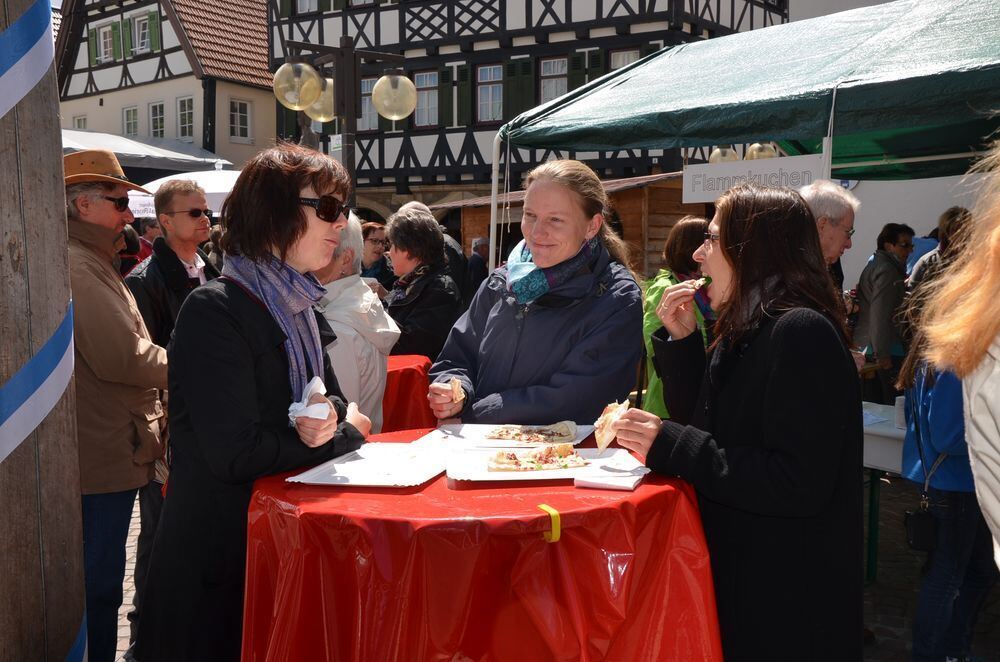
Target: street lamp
{"x": 298, "y": 86}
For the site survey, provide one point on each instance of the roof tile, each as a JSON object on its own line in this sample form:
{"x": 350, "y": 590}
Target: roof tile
{"x": 229, "y": 38}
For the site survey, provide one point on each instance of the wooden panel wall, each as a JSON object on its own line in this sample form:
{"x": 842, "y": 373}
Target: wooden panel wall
{"x": 41, "y": 586}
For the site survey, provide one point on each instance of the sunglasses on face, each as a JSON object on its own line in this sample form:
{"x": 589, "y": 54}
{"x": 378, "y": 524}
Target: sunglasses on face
{"x": 121, "y": 204}
{"x": 328, "y": 208}
{"x": 193, "y": 213}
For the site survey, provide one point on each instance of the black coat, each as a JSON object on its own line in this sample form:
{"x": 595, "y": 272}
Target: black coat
{"x": 229, "y": 398}
{"x": 160, "y": 284}
{"x": 774, "y": 451}
{"x": 458, "y": 268}
{"x": 478, "y": 271}
{"x": 426, "y": 313}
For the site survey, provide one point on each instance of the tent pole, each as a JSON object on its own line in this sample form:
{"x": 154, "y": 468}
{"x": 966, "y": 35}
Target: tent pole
{"x": 494, "y": 191}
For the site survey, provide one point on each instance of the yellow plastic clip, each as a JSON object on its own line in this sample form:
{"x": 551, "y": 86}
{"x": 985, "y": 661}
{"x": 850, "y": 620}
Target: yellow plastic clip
{"x": 553, "y": 535}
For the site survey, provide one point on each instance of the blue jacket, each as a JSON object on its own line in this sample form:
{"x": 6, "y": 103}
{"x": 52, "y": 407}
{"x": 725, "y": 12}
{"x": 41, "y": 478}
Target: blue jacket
{"x": 562, "y": 357}
{"x": 942, "y": 430}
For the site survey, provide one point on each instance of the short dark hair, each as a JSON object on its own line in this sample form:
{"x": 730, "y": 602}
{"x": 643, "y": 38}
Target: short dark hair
{"x": 684, "y": 239}
{"x": 769, "y": 237}
{"x": 417, "y": 232}
{"x": 891, "y": 232}
{"x": 952, "y": 227}
{"x": 263, "y": 213}
{"x": 369, "y": 227}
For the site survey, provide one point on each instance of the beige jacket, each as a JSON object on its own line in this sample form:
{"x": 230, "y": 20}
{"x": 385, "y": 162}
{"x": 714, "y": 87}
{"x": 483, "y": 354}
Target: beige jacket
{"x": 118, "y": 369}
{"x": 981, "y": 395}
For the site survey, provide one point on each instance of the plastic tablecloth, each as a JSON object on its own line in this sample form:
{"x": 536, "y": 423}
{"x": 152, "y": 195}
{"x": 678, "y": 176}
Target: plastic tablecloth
{"x": 435, "y": 573}
{"x": 404, "y": 405}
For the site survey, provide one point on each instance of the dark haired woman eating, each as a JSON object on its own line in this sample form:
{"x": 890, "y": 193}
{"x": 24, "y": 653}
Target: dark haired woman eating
{"x": 244, "y": 348}
{"x": 772, "y": 439}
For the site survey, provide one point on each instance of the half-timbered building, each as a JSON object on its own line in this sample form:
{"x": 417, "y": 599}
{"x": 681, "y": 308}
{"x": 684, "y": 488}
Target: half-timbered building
{"x": 189, "y": 70}
{"x": 478, "y": 63}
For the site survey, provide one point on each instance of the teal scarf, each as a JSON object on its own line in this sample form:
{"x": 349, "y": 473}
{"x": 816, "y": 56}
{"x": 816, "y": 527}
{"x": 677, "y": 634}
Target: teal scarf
{"x": 527, "y": 281}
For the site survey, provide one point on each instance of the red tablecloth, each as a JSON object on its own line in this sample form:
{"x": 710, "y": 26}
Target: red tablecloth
{"x": 432, "y": 573}
{"x": 404, "y": 406}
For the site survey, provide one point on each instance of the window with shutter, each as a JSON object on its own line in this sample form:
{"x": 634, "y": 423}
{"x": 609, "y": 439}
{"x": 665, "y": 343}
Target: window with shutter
{"x": 553, "y": 81}
{"x": 426, "y": 112}
{"x": 464, "y": 92}
{"x": 369, "y": 118}
{"x": 92, "y": 46}
{"x": 446, "y": 113}
{"x": 526, "y": 83}
{"x": 285, "y": 8}
{"x": 154, "y": 30}
{"x": 116, "y": 41}
{"x": 489, "y": 93}
{"x": 511, "y": 100}
{"x": 577, "y": 74}
{"x": 595, "y": 62}
{"x": 127, "y": 36}
{"x": 621, "y": 59}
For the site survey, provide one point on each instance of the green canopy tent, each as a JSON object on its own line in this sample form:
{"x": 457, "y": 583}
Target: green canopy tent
{"x": 906, "y": 89}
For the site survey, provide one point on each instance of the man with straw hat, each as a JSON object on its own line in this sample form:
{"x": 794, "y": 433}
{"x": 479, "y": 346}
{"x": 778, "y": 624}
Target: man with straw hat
{"x": 118, "y": 373}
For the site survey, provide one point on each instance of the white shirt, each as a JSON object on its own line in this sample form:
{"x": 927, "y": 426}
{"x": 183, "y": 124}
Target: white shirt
{"x": 196, "y": 270}
{"x": 981, "y": 396}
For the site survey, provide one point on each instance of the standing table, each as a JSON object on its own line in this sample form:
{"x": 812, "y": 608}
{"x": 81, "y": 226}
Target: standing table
{"x": 482, "y": 573}
{"x": 883, "y": 453}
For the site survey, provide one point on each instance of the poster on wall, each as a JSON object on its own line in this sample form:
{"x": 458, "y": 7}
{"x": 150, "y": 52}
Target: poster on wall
{"x": 706, "y": 182}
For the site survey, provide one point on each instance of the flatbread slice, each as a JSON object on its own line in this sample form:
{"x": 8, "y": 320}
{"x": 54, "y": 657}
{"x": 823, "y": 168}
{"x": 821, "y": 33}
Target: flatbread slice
{"x": 602, "y": 428}
{"x": 561, "y": 432}
{"x": 457, "y": 392}
{"x": 545, "y": 458}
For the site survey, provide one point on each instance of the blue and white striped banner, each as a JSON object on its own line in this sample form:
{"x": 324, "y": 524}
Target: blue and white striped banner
{"x": 26, "y": 52}
{"x": 35, "y": 389}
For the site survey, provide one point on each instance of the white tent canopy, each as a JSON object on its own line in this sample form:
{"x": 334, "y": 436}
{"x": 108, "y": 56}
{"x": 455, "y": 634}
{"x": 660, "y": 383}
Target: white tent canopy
{"x": 141, "y": 152}
{"x": 217, "y": 184}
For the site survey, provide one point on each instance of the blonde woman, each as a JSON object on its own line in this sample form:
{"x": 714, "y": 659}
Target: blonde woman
{"x": 963, "y": 332}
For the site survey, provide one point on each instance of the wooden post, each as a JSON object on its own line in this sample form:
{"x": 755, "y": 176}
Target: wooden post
{"x": 41, "y": 544}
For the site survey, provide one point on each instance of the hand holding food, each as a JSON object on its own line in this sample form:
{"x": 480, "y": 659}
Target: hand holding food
{"x": 604, "y": 427}
{"x": 636, "y": 430}
{"x": 676, "y": 309}
{"x": 441, "y": 397}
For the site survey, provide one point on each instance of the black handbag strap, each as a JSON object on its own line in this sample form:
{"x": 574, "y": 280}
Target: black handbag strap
{"x": 920, "y": 450}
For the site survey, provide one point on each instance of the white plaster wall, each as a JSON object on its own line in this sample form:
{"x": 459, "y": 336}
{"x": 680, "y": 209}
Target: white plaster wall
{"x": 262, "y": 121}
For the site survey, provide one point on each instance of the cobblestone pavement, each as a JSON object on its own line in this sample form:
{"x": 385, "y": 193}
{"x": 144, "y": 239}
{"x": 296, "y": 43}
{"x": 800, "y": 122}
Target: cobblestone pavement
{"x": 889, "y": 602}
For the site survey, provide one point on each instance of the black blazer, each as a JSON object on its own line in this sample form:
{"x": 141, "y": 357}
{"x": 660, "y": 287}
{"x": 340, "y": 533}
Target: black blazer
{"x": 160, "y": 285}
{"x": 426, "y": 314}
{"x": 229, "y": 398}
{"x": 774, "y": 451}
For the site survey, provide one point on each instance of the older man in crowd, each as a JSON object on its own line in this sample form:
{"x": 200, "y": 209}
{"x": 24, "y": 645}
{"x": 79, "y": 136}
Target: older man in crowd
{"x": 118, "y": 373}
{"x": 160, "y": 284}
{"x": 834, "y": 208}
{"x": 365, "y": 333}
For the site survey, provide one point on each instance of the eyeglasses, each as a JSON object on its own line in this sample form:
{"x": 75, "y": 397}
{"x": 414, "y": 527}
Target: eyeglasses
{"x": 711, "y": 236}
{"x": 850, "y": 232}
{"x": 328, "y": 208}
{"x": 378, "y": 242}
{"x": 193, "y": 213}
{"x": 121, "y": 204}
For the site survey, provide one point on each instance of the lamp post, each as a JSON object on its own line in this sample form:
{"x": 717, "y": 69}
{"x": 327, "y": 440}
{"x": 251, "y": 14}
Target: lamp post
{"x": 298, "y": 86}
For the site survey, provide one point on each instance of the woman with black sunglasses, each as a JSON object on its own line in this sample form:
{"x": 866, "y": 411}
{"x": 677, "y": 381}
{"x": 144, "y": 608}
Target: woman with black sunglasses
{"x": 244, "y": 348}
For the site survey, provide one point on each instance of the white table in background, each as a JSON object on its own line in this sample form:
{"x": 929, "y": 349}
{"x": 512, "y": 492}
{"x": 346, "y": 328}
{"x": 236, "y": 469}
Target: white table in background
{"x": 883, "y": 452}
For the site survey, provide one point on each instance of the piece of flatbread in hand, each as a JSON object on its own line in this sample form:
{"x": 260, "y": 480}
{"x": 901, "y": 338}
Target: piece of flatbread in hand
{"x": 602, "y": 428}
{"x": 561, "y": 432}
{"x": 457, "y": 392}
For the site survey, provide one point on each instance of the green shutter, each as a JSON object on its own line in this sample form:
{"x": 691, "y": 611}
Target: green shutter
{"x": 526, "y": 81}
{"x": 285, "y": 8}
{"x": 116, "y": 41}
{"x": 512, "y": 97}
{"x": 648, "y": 49}
{"x": 445, "y": 97}
{"x": 154, "y": 31}
{"x": 595, "y": 68}
{"x": 323, "y": 5}
{"x": 92, "y": 46}
{"x": 339, "y": 4}
{"x": 127, "y": 26}
{"x": 577, "y": 73}
{"x": 464, "y": 96}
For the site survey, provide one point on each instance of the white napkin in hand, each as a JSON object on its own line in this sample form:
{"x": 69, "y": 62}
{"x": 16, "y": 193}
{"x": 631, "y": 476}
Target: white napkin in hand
{"x": 302, "y": 408}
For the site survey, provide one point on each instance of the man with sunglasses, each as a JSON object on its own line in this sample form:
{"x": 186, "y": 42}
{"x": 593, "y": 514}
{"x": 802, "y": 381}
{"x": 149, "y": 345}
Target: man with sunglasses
{"x": 119, "y": 373}
{"x": 160, "y": 284}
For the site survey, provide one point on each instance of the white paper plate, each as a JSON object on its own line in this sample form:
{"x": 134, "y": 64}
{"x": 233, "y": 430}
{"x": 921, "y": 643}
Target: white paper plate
{"x": 472, "y": 465}
{"x": 379, "y": 465}
{"x": 473, "y": 435}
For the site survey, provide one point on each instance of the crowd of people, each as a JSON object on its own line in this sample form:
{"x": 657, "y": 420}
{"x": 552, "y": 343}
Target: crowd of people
{"x": 745, "y": 348}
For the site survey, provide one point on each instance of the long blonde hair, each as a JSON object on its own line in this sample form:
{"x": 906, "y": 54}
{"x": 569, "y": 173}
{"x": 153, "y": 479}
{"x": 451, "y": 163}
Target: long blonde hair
{"x": 583, "y": 181}
{"x": 962, "y": 316}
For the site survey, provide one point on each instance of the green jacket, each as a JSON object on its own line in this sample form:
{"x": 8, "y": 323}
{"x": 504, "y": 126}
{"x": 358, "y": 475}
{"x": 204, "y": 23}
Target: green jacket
{"x": 652, "y": 401}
